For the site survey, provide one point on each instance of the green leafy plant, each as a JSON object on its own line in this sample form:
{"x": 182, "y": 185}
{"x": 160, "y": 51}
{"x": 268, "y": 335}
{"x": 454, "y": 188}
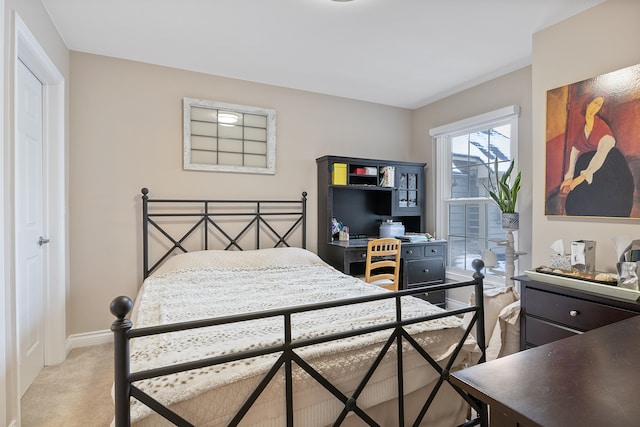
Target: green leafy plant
{"x": 502, "y": 191}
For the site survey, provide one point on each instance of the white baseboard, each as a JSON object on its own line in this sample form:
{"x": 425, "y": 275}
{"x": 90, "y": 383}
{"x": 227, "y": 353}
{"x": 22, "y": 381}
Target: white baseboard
{"x": 454, "y": 304}
{"x": 89, "y": 338}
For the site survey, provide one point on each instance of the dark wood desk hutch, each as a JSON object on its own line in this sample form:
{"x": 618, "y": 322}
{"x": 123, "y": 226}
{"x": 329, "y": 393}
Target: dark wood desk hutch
{"x": 357, "y": 197}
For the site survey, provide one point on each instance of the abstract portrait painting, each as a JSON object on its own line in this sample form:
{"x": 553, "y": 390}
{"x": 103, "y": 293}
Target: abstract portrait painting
{"x": 593, "y": 147}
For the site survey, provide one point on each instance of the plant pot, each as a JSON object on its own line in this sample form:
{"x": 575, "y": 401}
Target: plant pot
{"x": 510, "y": 221}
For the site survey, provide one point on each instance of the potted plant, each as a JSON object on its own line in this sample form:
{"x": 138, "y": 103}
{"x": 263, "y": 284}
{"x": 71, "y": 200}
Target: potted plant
{"x": 505, "y": 194}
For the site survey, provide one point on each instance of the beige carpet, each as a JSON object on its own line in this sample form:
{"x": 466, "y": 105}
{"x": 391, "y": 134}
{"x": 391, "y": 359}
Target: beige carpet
{"x": 75, "y": 393}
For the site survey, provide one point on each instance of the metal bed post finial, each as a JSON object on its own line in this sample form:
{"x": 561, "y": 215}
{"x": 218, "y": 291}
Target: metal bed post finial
{"x": 145, "y": 232}
{"x": 120, "y": 307}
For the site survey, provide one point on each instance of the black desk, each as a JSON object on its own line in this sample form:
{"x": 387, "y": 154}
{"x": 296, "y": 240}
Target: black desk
{"x": 422, "y": 263}
{"x": 590, "y": 380}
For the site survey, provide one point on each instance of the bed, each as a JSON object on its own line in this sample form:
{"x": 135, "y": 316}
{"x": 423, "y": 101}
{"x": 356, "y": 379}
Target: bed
{"x": 270, "y": 335}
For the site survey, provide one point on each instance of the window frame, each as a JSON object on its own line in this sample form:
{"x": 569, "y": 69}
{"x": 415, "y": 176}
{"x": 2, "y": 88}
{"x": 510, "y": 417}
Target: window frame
{"x": 270, "y": 154}
{"x": 442, "y": 137}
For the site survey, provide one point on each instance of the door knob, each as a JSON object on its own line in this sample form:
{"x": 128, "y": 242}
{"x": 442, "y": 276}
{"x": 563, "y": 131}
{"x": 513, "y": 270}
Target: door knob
{"x": 42, "y": 241}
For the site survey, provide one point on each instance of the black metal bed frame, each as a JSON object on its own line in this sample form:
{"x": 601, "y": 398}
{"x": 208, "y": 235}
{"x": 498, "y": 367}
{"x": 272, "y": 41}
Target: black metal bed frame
{"x": 124, "y": 379}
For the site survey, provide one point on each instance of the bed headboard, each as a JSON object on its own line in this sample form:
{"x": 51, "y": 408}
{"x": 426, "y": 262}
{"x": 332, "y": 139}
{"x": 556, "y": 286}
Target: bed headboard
{"x": 172, "y": 226}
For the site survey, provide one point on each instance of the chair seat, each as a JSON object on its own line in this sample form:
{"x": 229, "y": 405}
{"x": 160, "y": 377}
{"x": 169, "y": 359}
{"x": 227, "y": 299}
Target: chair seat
{"x": 382, "y": 282}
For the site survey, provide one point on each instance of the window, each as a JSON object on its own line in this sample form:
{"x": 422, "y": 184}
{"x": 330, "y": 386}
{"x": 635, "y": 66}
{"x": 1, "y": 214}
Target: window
{"x": 229, "y": 138}
{"x": 465, "y": 155}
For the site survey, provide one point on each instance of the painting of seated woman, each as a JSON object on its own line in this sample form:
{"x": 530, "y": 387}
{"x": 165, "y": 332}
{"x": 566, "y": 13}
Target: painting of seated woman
{"x": 593, "y": 147}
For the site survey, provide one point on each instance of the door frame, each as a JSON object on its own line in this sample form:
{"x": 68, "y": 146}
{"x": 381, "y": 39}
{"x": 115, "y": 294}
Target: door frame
{"x": 28, "y": 50}
{"x": 4, "y": 292}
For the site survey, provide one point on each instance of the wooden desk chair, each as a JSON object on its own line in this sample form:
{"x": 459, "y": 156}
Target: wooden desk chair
{"x": 382, "y": 267}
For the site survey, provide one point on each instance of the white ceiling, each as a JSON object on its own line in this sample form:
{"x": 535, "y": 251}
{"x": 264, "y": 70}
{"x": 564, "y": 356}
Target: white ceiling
{"x": 404, "y": 53}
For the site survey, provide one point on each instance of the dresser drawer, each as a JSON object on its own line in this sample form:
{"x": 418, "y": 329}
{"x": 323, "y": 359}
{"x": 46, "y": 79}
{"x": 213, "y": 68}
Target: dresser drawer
{"x": 412, "y": 252}
{"x": 435, "y": 298}
{"x": 434, "y": 251}
{"x": 539, "y": 332}
{"x": 572, "y": 312}
{"x": 427, "y": 270}
{"x": 356, "y": 255}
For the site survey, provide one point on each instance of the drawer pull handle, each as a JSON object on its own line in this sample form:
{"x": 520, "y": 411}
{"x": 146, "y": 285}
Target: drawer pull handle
{"x": 573, "y": 313}
{"x": 426, "y": 270}
{"x": 410, "y": 252}
{"x": 364, "y": 255}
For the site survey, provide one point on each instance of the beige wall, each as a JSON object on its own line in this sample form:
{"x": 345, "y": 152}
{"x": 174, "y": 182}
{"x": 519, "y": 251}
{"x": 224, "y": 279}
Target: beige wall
{"x": 511, "y": 89}
{"x": 600, "y": 40}
{"x": 126, "y": 133}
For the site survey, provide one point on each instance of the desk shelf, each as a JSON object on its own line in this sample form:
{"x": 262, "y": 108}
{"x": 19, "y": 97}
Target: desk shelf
{"x": 363, "y": 201}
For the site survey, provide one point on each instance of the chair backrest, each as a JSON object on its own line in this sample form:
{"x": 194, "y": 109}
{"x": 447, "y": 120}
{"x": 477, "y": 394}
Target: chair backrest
{"x": 383, "y": 263}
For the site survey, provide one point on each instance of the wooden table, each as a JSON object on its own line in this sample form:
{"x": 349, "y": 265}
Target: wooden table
{"x": 591, "y": 380}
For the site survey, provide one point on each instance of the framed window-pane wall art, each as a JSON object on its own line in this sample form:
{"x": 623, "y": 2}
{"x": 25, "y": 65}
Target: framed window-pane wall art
{"x": 228, "y": 137}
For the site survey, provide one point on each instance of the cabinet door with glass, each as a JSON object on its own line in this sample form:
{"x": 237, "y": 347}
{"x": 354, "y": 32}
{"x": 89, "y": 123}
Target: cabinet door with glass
{"x": 409, "y": 191}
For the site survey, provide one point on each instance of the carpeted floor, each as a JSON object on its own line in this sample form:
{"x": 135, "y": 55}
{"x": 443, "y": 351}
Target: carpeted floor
{"x": 76, "y": 392}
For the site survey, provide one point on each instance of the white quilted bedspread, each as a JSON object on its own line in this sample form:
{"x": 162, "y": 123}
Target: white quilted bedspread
{"x": 218, "y": 283}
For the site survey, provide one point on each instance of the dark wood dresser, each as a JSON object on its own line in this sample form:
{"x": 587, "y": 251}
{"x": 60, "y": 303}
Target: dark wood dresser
{"x": 550, "y": 312}
{"x": 584, "y": 380}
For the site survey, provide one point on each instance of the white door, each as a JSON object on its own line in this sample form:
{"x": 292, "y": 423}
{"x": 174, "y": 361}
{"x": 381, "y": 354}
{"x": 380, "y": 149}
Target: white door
{"x": 30, "y": 226}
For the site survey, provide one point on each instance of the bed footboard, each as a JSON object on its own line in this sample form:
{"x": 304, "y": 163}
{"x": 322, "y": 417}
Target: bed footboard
{"x": 288, "y": 355}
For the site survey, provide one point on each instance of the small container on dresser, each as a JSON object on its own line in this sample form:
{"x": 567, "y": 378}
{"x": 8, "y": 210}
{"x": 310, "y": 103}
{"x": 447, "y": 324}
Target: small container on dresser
{"x": 551, "y": 312}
